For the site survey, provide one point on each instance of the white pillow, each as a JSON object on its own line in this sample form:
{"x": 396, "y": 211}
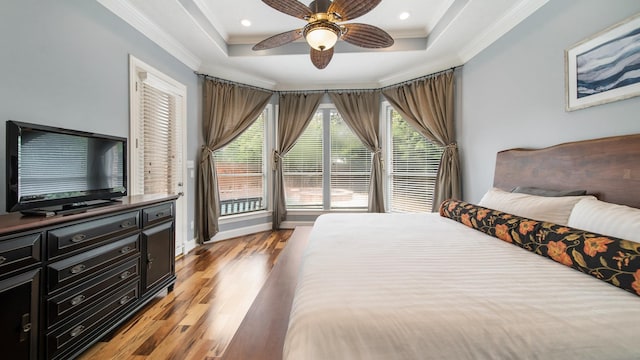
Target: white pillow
{"x": 607, "y": 219}
{"x": 543, "y": 208}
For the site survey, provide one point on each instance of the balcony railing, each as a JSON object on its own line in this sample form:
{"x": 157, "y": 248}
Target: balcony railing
{"x": 239, "y": 206}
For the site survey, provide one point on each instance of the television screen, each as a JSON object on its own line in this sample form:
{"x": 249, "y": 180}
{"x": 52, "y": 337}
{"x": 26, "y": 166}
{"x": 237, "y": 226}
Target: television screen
{"x": 50, "y": 166}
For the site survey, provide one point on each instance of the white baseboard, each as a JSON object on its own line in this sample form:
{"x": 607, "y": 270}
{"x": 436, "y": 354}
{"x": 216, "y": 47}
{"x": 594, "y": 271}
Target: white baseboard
{"x": 224, "y": 235}
{"x": 189, "y": 245}
{"x": 293, "y": 224}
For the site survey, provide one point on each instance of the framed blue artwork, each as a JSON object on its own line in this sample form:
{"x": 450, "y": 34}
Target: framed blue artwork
{"x": 604, "y": 67}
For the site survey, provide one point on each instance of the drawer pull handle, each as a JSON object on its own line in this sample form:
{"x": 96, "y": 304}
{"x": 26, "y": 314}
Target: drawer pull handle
{"x": 2, "y": 259}
{"x": 77, "y": 331}
{"x": 78, "y": 238}
{"x": 126, "y": 249}
{"x": 124, "y": 300}
{"x": 26, "y": 327}
{"x": 160, "y": 214}
{"x": 125, "y": 275}
{"x": 126, "y": 224}
{"x": 150, "y": 261}
{"x": 77, "y": 300}
{"x": 78, "y": 268}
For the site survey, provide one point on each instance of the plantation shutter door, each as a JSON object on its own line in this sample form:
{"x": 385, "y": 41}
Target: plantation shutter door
{"x": 157, "y": 148}
{"x": 414, "y": 167}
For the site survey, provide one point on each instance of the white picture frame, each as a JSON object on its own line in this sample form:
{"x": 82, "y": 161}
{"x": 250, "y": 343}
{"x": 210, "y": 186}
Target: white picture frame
{"x": 604, "y": 67}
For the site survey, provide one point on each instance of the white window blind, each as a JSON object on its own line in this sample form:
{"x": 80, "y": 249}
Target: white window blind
{"x": 241, "y": 171}
{"x": 413, "y": 169}
{"x": 302, "y": 168}
{"x": 350, "y": 167}
{"x": 156, "y": 144}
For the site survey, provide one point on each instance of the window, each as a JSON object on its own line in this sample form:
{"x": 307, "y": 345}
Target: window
{"x": 350, "y": 167}
{"x": 302, "y": 168}
{"x": 158, "y": 141}
{"x": 241, "y": 170}
{"x": 328, "y": 168}
{"x": 412, "y": 168}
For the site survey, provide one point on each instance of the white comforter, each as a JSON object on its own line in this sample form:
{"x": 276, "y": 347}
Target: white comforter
{"x": 419, "y": 286}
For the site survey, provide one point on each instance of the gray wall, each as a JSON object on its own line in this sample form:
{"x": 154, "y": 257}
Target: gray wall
{"x": 65, "y": 63}
{"x": 512, "y": 93}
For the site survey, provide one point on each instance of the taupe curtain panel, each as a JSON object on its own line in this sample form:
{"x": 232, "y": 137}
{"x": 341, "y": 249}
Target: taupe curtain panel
{"x": 228, "y": 110}
{"x": 295, "y": 112}
{"x": 427, "y": 105}
{"x": 361, "y": 111}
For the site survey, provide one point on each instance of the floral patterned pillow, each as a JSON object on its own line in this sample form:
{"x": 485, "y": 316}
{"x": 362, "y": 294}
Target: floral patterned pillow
{"x": 609, "y": 259}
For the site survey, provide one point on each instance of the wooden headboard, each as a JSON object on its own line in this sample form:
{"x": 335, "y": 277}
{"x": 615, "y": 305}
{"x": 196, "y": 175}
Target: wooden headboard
{"x": 608, "y": 168}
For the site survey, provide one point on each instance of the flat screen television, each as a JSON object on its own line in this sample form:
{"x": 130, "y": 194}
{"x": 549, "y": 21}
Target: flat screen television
{"x": 53, "y": 170}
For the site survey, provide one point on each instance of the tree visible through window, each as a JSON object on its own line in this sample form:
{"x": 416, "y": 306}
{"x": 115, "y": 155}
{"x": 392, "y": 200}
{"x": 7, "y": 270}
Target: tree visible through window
{"x": 241, "y": 171}
{"x": 413, "y": 167}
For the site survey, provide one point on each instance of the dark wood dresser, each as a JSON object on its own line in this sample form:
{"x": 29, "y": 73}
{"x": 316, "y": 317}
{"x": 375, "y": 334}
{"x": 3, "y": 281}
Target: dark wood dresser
{"x": 66, "y": 281}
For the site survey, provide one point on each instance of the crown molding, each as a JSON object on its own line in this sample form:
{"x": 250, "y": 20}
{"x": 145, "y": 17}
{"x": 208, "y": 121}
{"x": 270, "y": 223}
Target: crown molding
{"x": 125, "y": 11}
{"x": 512, "y": 18}
{"x": 202, "y": 17}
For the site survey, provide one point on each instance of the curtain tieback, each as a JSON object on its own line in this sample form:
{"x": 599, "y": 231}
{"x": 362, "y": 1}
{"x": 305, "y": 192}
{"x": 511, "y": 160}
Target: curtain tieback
{"x": 276, "y": 158}
{"x": 207, "y": 152}
{"x": 451, "y": 146}
{"x": 378, "y": 152}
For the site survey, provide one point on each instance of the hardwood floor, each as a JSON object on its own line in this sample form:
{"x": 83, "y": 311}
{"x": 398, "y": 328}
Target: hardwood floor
{"x": 216, "y": 285}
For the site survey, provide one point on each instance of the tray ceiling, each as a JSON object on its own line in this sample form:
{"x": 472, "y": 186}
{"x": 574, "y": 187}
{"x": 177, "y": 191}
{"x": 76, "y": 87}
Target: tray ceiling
{"x": 208, "y": 37}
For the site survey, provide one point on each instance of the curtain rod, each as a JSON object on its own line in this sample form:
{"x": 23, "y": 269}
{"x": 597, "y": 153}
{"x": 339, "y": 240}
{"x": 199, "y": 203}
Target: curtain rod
{"x": 326, "y": 91}
{"x": 206, "y": 76}
{"x": 422, "y": 77}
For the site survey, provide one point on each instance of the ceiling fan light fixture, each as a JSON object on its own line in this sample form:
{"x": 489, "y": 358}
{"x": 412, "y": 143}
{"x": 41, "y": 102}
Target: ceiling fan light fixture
{"x": 322, "y": 35}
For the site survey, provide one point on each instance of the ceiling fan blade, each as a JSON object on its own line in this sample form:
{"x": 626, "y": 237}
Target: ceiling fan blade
{"x": 321, "y": 58}
{"x": 367, "y": 36}
{"x": 290, "y": 7}
{"x": 351, "y": 9}
{"x": 278, "y": 40}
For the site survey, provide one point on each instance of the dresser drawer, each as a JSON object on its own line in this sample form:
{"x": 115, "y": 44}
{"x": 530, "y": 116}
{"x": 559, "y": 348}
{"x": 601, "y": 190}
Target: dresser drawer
{"x": 94, "y": 319}
{"x": 79, "y": 267}
{"x": 72, "y": 238}
{"x": 157, "y": 214}
{"x": 86, "y": 295}
{"x": 19, "y": 252}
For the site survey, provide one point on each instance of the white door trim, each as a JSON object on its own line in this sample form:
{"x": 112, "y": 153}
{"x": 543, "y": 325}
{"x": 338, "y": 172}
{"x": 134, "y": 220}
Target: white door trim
{"x": 141, "y": 71}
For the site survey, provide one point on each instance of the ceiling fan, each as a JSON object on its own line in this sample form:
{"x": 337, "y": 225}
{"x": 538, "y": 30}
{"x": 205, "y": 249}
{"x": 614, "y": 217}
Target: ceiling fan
{"x": 323, "y": 27}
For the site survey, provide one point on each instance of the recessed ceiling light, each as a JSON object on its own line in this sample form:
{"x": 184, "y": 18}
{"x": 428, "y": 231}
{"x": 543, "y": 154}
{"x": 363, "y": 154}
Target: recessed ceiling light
{"x": 245, "y": 22}
{"x": 404, "y": 16}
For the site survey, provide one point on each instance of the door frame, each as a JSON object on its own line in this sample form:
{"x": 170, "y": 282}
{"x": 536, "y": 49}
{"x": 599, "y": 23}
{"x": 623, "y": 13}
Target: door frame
{"x": 179, "y": 90}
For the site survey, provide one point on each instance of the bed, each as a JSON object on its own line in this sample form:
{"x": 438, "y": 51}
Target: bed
{"x": 481, "y": 282}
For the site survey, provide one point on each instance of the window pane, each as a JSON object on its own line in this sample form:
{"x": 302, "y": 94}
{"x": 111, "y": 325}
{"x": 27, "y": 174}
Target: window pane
{"x": 240, "y": 171}
{"x": 414, "y": 166}
{"x": 158, "y": 132}
{"x": 303, "y": 168}
{"x": 412, "y": 193}
{"x": 350, "y": 167}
